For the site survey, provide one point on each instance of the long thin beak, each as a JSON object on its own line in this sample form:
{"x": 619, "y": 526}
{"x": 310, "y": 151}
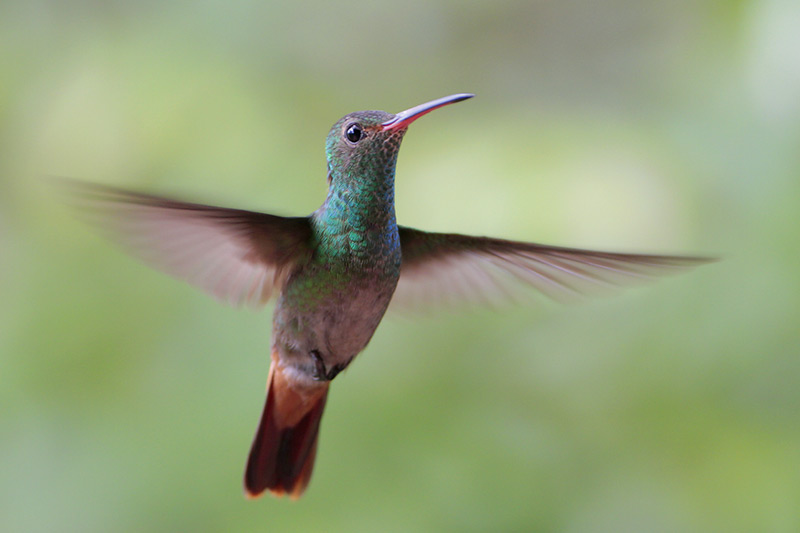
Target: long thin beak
{"x": 404, "y": 118}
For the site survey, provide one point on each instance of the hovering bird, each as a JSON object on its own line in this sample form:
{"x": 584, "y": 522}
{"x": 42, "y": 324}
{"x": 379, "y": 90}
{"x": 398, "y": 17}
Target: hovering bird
{"x": 335, "y": 273}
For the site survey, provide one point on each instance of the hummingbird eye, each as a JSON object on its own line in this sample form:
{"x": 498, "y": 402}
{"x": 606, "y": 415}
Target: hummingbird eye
{"x": 353, "y": 133}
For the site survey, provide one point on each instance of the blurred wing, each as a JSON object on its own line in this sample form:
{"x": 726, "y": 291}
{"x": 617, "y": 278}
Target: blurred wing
{"x": 237, "y": 256}
{"x": 454, "y": 268}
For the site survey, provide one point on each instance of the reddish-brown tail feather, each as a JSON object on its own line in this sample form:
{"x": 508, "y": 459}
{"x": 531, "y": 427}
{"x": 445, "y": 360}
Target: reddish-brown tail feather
{"x": 282, "y": 456}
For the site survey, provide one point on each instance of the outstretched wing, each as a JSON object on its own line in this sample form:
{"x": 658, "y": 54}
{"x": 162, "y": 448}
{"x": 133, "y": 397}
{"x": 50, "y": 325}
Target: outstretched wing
{"x": 452, "y": 267}
{"x": 237, "y": 256}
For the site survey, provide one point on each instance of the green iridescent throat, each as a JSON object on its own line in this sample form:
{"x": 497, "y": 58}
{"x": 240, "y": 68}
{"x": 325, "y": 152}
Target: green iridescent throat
{"x": 357, "y": 219}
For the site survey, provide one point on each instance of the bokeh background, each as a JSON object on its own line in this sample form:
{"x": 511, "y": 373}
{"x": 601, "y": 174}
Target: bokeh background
{"x": 128, "y": 400}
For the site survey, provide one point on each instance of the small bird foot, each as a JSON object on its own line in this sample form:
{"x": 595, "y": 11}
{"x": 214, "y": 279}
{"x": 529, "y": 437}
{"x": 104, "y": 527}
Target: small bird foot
{"x": 321, "y": 373}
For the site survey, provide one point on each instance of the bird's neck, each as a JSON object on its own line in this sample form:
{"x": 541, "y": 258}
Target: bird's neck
{"x": 358, "y": 218}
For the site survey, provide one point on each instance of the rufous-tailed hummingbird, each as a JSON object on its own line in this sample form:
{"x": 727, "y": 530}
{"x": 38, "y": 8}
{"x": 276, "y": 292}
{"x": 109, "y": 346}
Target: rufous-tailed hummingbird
{"x": 335, "y": 273}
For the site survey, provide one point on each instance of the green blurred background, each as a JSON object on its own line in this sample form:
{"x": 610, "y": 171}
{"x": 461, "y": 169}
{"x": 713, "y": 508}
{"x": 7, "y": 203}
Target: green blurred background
{"x": 128, "y": 400}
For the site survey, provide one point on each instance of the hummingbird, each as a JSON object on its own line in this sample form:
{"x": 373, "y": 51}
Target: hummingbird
{"x": 335, "y": 272}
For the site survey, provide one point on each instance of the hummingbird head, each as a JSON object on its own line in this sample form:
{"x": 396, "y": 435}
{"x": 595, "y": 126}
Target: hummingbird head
{"x": 363, "y": 146}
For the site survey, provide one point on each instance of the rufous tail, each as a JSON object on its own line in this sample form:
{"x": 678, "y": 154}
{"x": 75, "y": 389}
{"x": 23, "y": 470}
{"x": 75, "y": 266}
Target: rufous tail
{"x": 282, "y": 455}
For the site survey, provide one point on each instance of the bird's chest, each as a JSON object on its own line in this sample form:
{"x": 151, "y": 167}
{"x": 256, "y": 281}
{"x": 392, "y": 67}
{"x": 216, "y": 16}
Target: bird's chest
{"x": 334, "y": 304}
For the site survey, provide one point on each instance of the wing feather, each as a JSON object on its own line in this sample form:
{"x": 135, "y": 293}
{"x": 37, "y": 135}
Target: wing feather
{"x": 456, "y": 268}
{"x": 238, "y": 256}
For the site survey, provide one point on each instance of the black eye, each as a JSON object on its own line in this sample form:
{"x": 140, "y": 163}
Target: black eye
{"x": 353, "y": 133}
